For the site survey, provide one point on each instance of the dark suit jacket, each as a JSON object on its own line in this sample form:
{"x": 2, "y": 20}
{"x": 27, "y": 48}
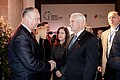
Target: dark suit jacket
{"x": 82, "y": 58}
{"x": 24, "y": 56}
{"x": 114, "y": 57}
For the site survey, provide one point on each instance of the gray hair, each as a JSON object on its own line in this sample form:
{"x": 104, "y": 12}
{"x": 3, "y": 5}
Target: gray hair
{"x": 114, "y": 12}
{"x": 79, "y": 16}
{"x": 27, "y": 10}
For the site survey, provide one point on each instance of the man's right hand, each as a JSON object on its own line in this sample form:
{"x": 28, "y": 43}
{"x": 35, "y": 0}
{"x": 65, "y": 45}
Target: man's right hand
{"x": 53, "y": 64}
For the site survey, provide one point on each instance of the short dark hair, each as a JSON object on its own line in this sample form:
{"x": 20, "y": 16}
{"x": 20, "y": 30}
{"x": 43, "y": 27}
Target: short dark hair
{"x": 38, "y": 25}
{"x": 27, "y": 10}
{"x": 50, "y": 32}
{"x": 43, "y": 23}
{"x": 118, "y": 13}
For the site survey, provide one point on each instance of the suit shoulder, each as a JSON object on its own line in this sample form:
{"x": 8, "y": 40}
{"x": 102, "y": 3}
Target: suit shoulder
{"x": 106, "y": 31}
{"x": 19, "y": 32}
{"x": 89, "y": 34}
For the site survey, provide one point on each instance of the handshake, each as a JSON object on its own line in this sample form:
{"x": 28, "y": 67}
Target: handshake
{"x": 53, "y": 64}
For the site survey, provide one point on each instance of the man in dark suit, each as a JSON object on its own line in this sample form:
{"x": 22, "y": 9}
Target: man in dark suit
{"x": 24, "y": 54}
{"x": 114, "y": 56}
{"x": 114, "y": 59}
{"x": 82, "y": 55}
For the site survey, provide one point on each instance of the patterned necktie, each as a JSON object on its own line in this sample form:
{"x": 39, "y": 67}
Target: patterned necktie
{"x": 72, "y": 41}
{"x": 111, "y": 35}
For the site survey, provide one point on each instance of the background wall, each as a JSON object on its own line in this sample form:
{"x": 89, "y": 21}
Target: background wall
{"x": 74, "y": 1}
{"x": 58, "y": 14}
{"x": 11, "y": 10}
{"x": 4, "y": 8}
{"x": 15, "y": 8}
{"x": 28, "y": 3}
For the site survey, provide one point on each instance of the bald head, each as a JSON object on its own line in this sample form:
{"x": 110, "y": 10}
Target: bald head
{"x": 113, "y": 12}
{"x": 113, "y": 19}
{"x": 31, "y": 17}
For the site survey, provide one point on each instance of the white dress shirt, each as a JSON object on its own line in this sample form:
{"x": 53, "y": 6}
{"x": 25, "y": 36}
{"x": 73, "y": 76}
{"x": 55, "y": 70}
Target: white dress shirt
{"x": 110, "y": 38}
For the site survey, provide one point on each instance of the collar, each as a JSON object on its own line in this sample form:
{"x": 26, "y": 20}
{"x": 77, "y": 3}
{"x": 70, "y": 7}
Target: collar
{"x": 114, "y": 29}
{"x": 79, "y": 32}
{"x": 26, "y": 27}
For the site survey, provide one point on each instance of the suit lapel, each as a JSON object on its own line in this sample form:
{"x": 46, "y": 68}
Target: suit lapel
{"x": 119, "y": 27}
{"x": 69, "y": 40}
{"x": 77, "y": 40}
{"x": 29, "y": 34}
{"x": 106, "y": 38}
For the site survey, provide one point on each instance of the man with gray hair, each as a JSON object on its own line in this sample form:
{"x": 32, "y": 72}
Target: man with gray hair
{"x": 82, "y": 51}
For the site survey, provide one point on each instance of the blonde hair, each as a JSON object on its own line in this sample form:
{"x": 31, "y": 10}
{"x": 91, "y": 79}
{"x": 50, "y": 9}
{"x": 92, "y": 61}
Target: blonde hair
{"x": 114, "y": 12}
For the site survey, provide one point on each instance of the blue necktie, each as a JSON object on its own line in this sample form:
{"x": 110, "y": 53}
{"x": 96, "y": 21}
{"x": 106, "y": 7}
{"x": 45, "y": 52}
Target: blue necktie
{"x": 72, "y": 41}
{"x": 111, "y": 34}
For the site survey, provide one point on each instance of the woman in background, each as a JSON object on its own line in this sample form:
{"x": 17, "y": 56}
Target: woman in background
{"x": 58, "y": 52}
